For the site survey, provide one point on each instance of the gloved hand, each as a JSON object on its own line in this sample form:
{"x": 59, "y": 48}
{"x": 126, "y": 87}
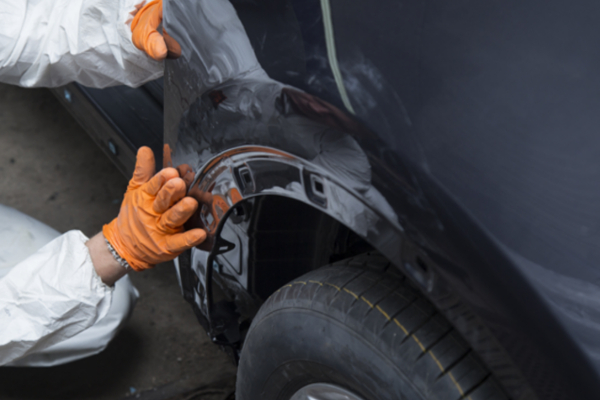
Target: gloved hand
{"x": 149, "y": 227}
{"x": 146, "y": 37}
{"x": 185, "y": 171}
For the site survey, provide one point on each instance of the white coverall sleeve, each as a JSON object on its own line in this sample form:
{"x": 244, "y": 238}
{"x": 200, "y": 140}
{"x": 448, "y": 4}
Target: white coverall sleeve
{"x": 49, "y": 43}
{"x": 49, "y": 297}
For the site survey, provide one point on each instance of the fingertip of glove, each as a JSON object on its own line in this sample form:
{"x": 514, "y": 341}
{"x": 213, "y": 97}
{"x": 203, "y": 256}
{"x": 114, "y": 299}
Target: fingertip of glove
{"x": 145, "y": 156}
{"x": 169, "y": 173}
{"x": 184, "y": 169}
{"x": 171, "y": 192}
{"x": 189, "y": 203}
{"x": 154, "y": 185}
{"x": 186, "y": 207}
{"x": 156, "y": 46}
{"x": 144, "y": 167}
{"x": 144, "y": 151}
{"x": 177, "y": 183}
{"x": 196, "y": 237}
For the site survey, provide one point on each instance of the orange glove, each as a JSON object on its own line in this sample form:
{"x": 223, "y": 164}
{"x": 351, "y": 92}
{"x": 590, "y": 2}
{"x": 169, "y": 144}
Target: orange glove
{"x": 185, "y": 171}
{"x": 149, "y": 228}
{"x": 146, "y": 37}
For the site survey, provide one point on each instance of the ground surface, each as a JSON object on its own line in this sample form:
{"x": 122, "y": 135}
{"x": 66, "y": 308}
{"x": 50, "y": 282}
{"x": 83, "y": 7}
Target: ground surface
{"x": 51, "y": 170}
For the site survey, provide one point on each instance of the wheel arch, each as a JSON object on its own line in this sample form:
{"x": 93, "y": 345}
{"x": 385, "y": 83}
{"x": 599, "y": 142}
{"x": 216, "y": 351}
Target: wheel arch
{"x": 287, "y": 200}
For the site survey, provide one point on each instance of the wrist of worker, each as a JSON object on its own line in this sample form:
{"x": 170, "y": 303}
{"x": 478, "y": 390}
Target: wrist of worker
{"x": 107, "y": 266}
{"x": 122, "y": 262}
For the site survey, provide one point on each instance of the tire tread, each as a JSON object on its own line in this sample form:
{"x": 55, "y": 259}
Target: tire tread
{"x": 370, "y": 296}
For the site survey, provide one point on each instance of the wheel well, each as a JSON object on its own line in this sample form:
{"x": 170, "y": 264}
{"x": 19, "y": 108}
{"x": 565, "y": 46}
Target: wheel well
{"x": 288, "y": 238}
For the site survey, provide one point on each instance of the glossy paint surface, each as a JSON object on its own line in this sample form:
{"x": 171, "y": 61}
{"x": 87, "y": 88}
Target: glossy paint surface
{"x": 468, "y": 130}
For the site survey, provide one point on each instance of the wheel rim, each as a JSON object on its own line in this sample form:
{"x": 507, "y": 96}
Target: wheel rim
{"x": 324, "y": 391}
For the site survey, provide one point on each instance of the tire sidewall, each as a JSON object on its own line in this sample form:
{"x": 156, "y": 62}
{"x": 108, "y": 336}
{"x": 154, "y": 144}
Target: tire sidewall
{"x": 291, "y": 347}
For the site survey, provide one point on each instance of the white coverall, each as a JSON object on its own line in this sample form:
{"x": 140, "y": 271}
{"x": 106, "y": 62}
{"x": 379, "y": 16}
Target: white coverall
{"x": 50, "y": 293}
{"x": 49, "y": 43}
{"x": 53, "y": 306}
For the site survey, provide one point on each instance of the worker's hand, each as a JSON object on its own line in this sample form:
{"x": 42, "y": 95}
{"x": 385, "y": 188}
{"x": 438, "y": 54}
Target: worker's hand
{"x": 185, "y": 171}
{"x": 149, "y": 228}
{"x": 145, "y": 35}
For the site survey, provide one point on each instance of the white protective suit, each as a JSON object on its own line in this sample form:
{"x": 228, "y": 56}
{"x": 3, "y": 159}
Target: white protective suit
{"x": 53, "y": 306}
{"x": 49, "y": 43}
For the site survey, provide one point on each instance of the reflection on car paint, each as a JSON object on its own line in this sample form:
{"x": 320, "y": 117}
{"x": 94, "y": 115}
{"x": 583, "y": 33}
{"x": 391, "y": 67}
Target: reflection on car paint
{"x": 391, "y": 187}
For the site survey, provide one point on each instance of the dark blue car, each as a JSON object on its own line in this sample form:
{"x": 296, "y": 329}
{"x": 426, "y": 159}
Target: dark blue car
{"x": 402, "y": 197}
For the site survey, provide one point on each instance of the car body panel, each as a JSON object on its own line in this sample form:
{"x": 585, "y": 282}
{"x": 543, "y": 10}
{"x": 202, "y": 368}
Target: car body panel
{"x": 459, "y": 119}
{"x": 459, "y": 134}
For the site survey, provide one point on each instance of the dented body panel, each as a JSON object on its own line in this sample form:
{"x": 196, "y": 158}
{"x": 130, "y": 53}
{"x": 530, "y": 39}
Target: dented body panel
{"x": 459, "y": 140}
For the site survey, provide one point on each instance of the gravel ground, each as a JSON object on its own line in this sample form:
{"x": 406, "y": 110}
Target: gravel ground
{"x": 51, "y": 170}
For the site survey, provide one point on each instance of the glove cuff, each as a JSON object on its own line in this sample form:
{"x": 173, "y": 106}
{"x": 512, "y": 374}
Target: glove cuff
{"x": 116, "y": 255}
{"x": 113, "y": 241}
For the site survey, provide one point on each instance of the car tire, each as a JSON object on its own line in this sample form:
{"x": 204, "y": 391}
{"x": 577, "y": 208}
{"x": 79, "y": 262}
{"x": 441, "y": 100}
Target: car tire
{"x": 357, "y": 326}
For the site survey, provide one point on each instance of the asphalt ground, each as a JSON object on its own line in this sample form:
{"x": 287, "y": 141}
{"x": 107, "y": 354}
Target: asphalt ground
{"x": 51, "y": 170}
